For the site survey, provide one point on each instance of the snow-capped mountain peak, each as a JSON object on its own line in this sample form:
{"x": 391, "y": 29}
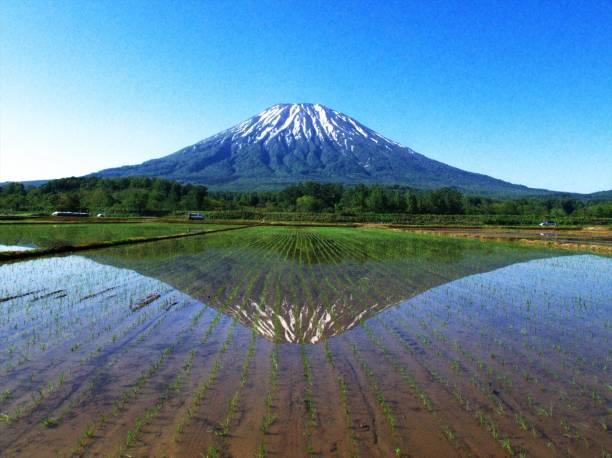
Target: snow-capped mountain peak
{"x": 293, "y": 143}
{"x": 290, "y": 123}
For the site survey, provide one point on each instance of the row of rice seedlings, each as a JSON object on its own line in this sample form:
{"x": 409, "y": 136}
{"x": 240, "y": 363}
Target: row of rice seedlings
{"x": 393, "y": 275}
{"x": 204, "y": 386}
{"x": 566, "y": 396}
{"x": 308, "y": 399}
{"x": 43, "y": 391}
{"x": 548, "y": 314}
{"x": 269, "y": 417}
{"x": 279, "y": 269}
{"x": 247, "y": 271}
{"x": 478, "y": 383}
{"x": 224, "y": 427}
{"x": 344, "y": 395}
{"x": 37, "y": 397}
{"x": 154, "y": 318}
{"x": 46, "y": 390}
{"x": 129, "y": 395}
{"x": 374, "y": 386}
{"x": 342, "y": 248}
{"x": 576, "y": 382}
{"x": 120, "y": 320}
{"x": 172, "y": 389}
{"x": 59, "y": 311}
{"x": 37, "y": 402}
{"x": 271, "y": 289}
{"x": 276, "y": 279}
{"x": 485, "y": 421}
{"x": 152, "y": 412}
{"x": 447, "y": 430}
{"x": 538, "y": 361}
{"x": 475, "y": 379}
{"x": 78, "y": 320}
{"x": 310, "y": 281}
{"x": 303, "y": 270}
{"x": 539, "y": 410}
{"x": 280, "y": 298}
{"x": 332, "y": 277}
{"x": 293, "y": 292}
{"x": 29, "y": 340}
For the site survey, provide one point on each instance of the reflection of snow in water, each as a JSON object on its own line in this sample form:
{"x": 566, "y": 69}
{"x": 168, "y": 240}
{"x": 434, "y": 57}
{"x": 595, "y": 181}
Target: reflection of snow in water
{"x": 15, "y": 248}
{"x": 554, "y": 281}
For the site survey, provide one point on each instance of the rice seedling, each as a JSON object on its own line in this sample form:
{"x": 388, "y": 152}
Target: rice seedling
{"x": 223, "y": 429}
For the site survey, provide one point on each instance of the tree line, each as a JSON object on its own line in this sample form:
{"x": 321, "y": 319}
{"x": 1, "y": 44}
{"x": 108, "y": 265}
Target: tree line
{"x": 131, "y": 195}
{"x": 157, "y": 196}
{"x": 315, "y": 197}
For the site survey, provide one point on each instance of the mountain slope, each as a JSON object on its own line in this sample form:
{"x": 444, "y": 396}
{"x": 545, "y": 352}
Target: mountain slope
{"x": 291, "y": 143}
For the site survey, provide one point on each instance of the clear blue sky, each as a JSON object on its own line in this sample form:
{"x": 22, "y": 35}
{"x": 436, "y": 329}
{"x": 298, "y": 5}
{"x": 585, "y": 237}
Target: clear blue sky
{"x": 518, "y": 90}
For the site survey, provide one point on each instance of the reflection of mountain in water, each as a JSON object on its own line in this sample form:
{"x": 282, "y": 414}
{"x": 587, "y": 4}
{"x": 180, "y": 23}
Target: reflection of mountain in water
{"x": 301, "y": 285}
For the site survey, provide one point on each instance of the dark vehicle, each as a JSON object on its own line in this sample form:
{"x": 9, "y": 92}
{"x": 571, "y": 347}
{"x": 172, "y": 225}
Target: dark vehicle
{"x": 195, "y": 216}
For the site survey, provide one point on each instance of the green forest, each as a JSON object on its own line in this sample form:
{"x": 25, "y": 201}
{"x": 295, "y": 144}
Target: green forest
{"x": 157, "y": 196}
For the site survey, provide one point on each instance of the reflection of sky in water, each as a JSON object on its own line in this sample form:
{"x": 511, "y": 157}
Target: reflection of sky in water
{"x": 562, "y": 303}
{"x": 15, "y": 248}
{"x": 71, "y": 287}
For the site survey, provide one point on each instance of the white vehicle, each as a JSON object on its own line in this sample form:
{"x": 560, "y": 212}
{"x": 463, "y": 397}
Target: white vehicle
{"x": 100, "y": 215}
{"x": 62, "y": 213}
{"x": 547, "y": 223}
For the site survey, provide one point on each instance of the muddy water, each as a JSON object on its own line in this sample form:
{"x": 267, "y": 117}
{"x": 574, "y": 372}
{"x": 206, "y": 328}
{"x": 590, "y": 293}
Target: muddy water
{"x": 327, "y": 342}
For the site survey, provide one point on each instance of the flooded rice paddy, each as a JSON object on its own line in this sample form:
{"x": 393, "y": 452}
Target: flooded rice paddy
{"x": 274, "y": 341}
{"x": 16, "y": 237}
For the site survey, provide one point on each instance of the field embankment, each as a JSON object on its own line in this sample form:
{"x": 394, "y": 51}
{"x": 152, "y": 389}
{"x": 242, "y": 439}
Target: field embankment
{"x": 595, "y": 239}
{"x": 60, "y": 249}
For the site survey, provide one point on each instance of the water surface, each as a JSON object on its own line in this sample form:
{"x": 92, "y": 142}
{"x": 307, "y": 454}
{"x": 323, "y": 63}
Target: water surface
{"x": 333, "y": 342}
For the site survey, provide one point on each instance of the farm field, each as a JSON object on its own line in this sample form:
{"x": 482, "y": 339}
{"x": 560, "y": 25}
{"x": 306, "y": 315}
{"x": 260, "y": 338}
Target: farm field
{"x": 284, "y": 341}
{"x": 597, "y": 238}
{"x": 17, "y": 237}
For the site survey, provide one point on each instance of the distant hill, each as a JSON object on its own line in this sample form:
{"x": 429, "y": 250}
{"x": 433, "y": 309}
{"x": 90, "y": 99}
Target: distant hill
{"x": 292, "y": 143}
{"x": 601, "y": 195}
{"x": 27, "y": 183}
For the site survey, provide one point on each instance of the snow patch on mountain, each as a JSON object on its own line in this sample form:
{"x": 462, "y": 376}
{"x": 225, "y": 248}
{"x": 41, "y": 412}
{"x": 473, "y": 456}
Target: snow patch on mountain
{"x": 291, "y": 123}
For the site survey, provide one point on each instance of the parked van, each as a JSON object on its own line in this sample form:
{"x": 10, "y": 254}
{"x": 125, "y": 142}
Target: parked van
{"x": 62, "y": 213}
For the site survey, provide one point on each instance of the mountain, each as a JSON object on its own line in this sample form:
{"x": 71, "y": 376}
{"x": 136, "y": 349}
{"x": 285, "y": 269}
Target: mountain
{"x": 600, "y": 195}
{"x": 291, "y": 143}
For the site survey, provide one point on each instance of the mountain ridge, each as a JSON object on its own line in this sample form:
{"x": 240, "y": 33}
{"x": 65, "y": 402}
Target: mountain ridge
{"x": 290, "y": 143}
